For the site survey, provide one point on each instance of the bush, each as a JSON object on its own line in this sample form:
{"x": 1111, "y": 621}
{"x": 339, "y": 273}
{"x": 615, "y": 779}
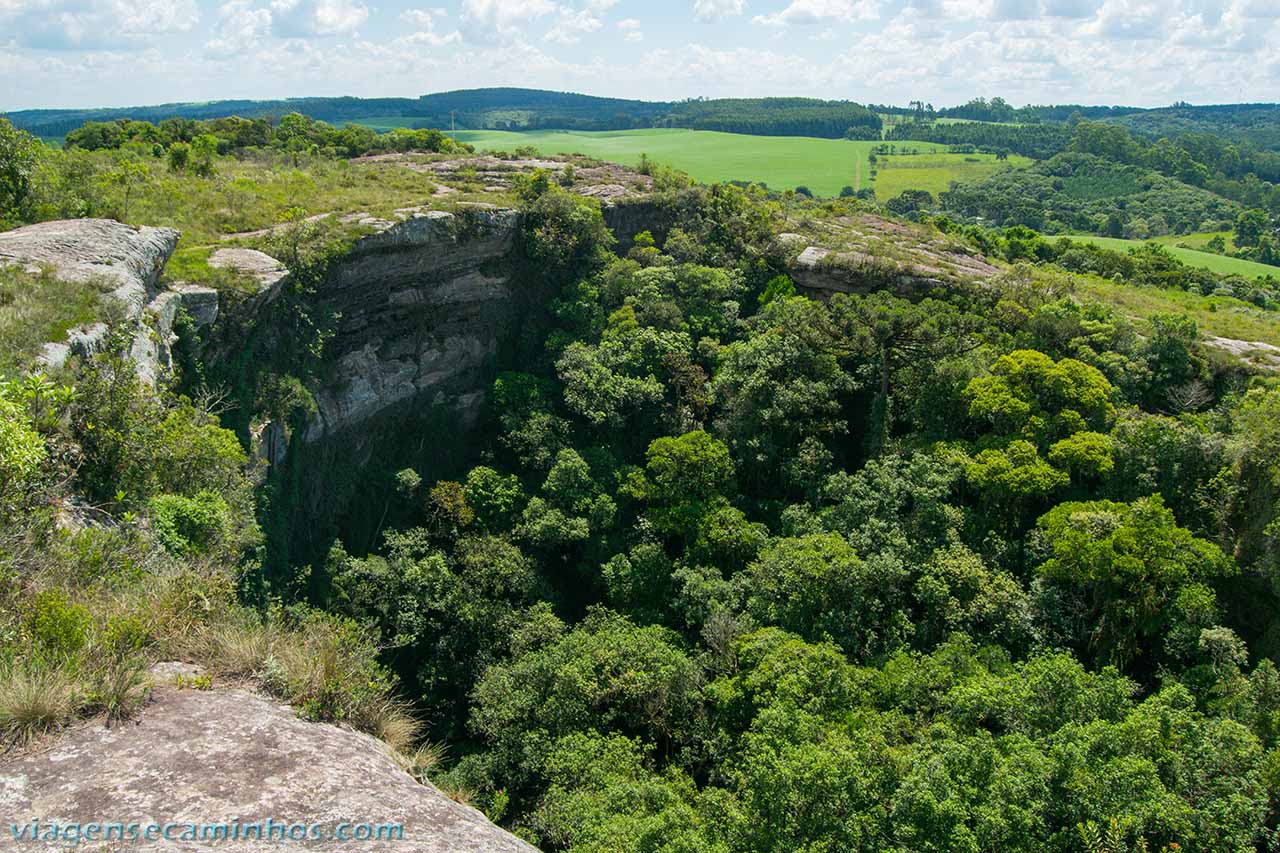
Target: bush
{"x": 189, "y": 525}
{"x": 58, "y": 628}
{"x": 22, "y": 451}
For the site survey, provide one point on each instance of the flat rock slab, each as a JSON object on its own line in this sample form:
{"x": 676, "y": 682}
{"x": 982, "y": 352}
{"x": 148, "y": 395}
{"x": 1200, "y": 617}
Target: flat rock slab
{"x": 1258, "y": 353}
{"x": 258, "y": 265}
{"x": 224, "y": 755}
{"x": 126, "y": 258}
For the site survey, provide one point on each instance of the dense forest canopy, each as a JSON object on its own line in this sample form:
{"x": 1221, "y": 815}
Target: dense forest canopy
{"x": 727, "y": 568}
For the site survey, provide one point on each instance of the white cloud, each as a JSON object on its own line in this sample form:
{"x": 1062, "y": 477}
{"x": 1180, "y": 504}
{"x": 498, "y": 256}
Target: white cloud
{"x": 809, "y": 12}
{"x": 1129, "y": 19}
{"x": 572, "y": 24}
{"x": 240, "y": 29}
{"x": 631, "y": 28}
{"x": 424, "y": 23}
{"x": 93, "y": 24}
{"x": 710, "y": 10}
{"x": 488, "y": 17}
{"x": 304, "y": 18}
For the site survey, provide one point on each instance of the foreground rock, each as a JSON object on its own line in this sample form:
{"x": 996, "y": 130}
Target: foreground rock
{"x": 126, "y": 262}
{"x": 219, "y": 756}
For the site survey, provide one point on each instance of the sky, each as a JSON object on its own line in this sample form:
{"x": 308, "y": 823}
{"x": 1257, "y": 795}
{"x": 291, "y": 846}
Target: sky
{"x": 81, "y": 53}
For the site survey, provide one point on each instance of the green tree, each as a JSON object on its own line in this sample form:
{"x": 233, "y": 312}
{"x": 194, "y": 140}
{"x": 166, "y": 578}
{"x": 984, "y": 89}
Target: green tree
{"x": 818, "y": 587}
{"x": 606, "y": 675}
{"x": 1251, "y": 226}
{"x": 179, "y": 157}
{"x": 129, "y": 173}
{"x": 19, "y": 152}
{"x": 901, "y": 336}
{"x": 684, "y": 477}
{"x": 1030, "y": 395}
{"x": 1137, "y": 581}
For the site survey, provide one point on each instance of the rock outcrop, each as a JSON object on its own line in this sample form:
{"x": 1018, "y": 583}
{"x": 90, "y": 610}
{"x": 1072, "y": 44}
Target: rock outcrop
{"x": 84, "y": 250}
{"x": 259, "y": 266}
{"x": 126, "y": 262}
{"x": 868, "y": 253}
{"x": 213, "y": 757}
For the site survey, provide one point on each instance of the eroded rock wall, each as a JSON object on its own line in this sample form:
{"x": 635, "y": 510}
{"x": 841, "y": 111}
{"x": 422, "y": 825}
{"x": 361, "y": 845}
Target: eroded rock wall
{"x": 427, "y": 311}
{"x": 424, "y": 309}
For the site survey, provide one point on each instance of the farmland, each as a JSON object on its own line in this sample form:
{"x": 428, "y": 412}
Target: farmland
{"x": 825, "y": 166}
{"x": 934, "y": 172}
{"x": 1191, "y": 257}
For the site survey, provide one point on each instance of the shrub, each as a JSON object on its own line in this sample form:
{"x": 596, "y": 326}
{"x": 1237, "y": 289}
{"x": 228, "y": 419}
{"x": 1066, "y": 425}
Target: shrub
{"x": 22, "y": 451}
{"x": 58, "y": 628}
{"x": 189, "y": 525}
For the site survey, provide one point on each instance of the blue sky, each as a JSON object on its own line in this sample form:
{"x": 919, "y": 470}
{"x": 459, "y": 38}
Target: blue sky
{"x": 64, "y": 53}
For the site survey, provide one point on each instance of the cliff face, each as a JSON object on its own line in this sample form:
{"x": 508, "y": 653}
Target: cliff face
{"x": 427, "y": 311}
{"x": 229, "y": 755}
{"x": 424, "y": 308}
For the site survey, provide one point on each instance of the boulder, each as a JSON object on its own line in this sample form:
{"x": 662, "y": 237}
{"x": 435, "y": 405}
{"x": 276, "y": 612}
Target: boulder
{"x": 232, "y": 756}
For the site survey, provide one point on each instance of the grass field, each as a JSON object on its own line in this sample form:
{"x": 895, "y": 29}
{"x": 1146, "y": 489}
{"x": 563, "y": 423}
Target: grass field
{"x": 935, "y": 172}
{"x": 1197, "y": 240}
{"x": 1222, "y": 316}
{"x": 825, "y": 166}
{"x": 1190, "y": 257}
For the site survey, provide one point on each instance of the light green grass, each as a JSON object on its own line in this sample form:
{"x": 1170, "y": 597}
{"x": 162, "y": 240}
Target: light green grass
{"x": 935, "y": 172}
{"x": 385, "y": 123}
{"x": 38, "y": 307}
{"x": 783, "y": 162}
{"x": 1221, "y": 316}
{"x": 1197, "y": 240}
{"x": 1190, "y": 257}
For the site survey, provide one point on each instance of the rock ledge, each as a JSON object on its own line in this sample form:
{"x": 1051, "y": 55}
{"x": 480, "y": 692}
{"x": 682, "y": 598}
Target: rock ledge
{"x": 221, "y": 755}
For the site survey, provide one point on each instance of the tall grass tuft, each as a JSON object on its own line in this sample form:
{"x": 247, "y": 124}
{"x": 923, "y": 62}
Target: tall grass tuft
{"x": 34, "y": 702}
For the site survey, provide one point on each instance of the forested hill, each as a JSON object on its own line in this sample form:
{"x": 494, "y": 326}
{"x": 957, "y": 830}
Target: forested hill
{"x": 508, "y": 109}
{"x": 529, "y": 109}
{"x": 50, "y": 123}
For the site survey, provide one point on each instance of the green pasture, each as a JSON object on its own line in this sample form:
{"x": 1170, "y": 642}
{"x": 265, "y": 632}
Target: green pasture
{"x": 935, "y": 171}
{"x": 1190, "y": 257}
{"x": 825, "y": 166}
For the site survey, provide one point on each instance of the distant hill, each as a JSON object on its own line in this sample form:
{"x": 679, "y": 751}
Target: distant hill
{"x": 1257, "y": 124}
{"x": 505, "y": 109}
{"x": 60, "y": 122}
{"x": 537, "y": 109}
